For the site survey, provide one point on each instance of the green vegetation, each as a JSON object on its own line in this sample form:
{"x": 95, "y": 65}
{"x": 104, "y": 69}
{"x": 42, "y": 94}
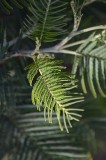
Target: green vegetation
{"x": 38, "y": 39}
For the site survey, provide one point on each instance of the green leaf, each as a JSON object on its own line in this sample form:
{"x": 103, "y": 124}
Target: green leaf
{"x": 48, "y": 21}
{"x": 97, "y": 78}
{"x": 54, "y": 89}
{"x": 90, "y": 76}
{"x": 92, "y": 65}
{"x": 8, "y": 6}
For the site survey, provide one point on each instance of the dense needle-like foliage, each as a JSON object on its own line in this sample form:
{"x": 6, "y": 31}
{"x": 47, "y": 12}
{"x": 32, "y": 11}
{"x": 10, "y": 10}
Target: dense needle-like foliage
{"x": 51, "y": 34}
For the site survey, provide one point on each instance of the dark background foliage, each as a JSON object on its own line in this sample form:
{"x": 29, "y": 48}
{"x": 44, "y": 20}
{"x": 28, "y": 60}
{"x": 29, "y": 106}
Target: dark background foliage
{"x": 15, "y": 101}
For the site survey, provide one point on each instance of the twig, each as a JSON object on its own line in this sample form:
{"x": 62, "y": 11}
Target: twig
{"x": 73, "y": 44}
{"x": 89, "y": 2}
{"x": 12, "y": 42}
{"x": 20, "y": 54}
{"x": 77, "y": 15}
{"x": 92, "y": 1}
{"x": 73, "y": 34}
{"x": 53, "y": 50}
{"x": 29, "y": 54}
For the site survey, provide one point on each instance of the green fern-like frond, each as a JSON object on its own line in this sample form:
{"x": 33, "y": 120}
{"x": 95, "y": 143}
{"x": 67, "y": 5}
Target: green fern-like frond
{"x": 49, "y": 139}
{"x": 54, "y": 89}
{"x": 92, "y": 64}
{"x": 32, "y": 138}
{"x": 7, "y": 7}
{"x": 48, "y": 20}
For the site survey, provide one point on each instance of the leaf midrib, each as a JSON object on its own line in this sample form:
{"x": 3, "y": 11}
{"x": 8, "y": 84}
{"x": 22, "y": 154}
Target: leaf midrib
{"x": 45, "y": 19}
{"x": 49, "y": 89}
